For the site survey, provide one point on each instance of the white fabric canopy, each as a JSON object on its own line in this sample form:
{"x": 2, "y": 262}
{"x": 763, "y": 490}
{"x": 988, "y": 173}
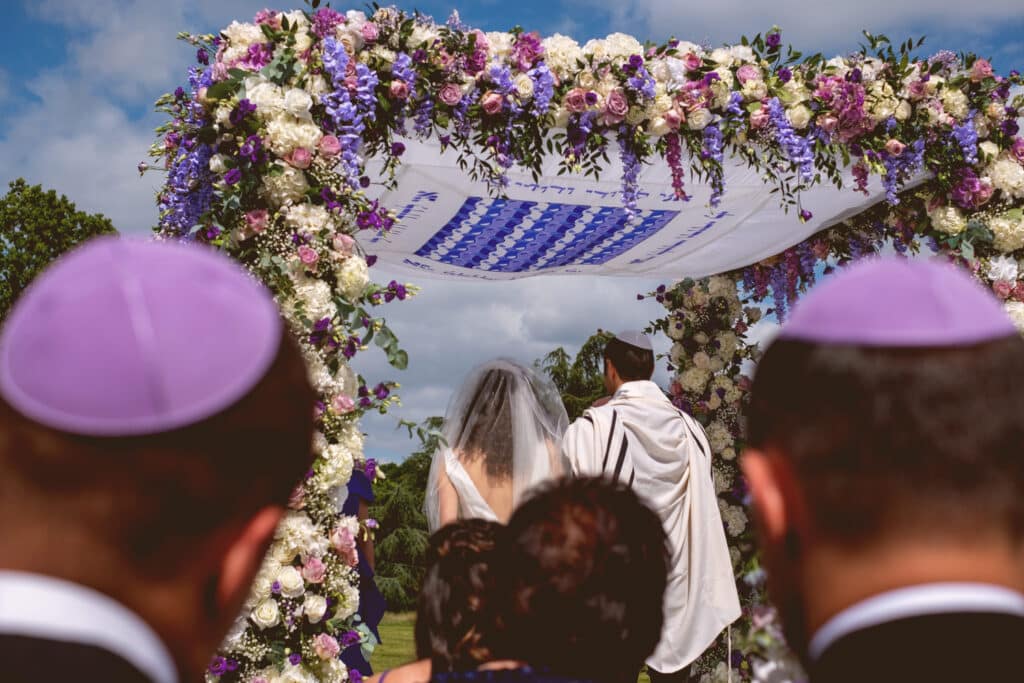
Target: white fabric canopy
{"x": 451, "y": 227}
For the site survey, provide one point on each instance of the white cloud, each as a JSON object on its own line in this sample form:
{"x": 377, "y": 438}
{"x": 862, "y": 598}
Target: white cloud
{"x": 808, "y": 24}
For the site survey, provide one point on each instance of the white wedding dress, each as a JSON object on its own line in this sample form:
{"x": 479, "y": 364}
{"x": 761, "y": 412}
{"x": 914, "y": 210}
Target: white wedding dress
{"x": 503, "y": 431}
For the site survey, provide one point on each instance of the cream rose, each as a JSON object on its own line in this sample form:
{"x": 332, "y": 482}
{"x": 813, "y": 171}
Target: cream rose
{"x": 799, "y": 116}
{"x": 298, "y": 102}
{"x": 353, "y": 277}
{"x": 291, "y": 582}
{"x": 267, "y": 614}
{"x": 524, "y": 87}
{"x": 314, "y": 607}
{"x": 699, "y": 119}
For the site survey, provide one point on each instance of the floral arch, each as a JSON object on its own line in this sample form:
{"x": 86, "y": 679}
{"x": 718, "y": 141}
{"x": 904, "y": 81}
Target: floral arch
{"x": 289, "y": 143}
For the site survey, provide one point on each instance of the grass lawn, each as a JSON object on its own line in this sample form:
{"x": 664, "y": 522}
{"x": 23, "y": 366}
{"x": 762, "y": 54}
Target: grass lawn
{"x": 396, "y": 630}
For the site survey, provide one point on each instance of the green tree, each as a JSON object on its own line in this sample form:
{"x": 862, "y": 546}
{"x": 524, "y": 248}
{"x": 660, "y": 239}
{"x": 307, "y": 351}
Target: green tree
{"x": 37, "y": 226}
{"x": 402, "y": 540}
{"x": 579, "y": 380}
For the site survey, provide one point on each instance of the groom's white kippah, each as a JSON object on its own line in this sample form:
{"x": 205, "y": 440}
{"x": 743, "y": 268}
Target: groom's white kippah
{"x": 635, "y": 338}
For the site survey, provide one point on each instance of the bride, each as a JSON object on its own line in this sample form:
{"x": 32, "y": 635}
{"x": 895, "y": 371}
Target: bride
{"x": 503, "y": 434}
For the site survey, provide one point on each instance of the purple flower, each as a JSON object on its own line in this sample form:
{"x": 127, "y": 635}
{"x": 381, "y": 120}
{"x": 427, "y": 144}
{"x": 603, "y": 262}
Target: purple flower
{"x": 590, "y": 97}
{"x": 806, "y": 215}
{"x": 355, "y": 676}
{"x": 364, "y": 182}
{"x": 295, "y": 658}
{"x": 202, "y": 56}
{"x": 967, "y": 137}
{"x": 712, "y": 149}
{"x": 218, "y": 666}
{"x": 324, "y": 21}
{"x": 1010, "y": 127}
{"x": 785, "y": 75}
{"x": 635, "y": 62}
{"x": 275, "y": 587}
{"x": 241, "y": 110}
{"x": 630, "y": 172}
{"x": 773, "y": 40}
{"x": 397, "y": 149}
{"x": 350, "y": 638}
{"x": 381, "y": 392}
{"x": 232, "y": 176}
{"x": 179, "y": 93}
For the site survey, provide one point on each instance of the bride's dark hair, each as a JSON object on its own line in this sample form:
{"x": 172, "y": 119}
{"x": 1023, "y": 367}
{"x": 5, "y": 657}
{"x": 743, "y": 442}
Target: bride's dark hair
{"x": 488, "y": 434}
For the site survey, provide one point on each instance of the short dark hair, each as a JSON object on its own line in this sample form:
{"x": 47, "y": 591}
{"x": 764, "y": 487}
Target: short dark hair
{"x": 587, "y": 572}
{"x": 632, "y": 363}
{"x": 148, "y": 498}
{"x": 456, "y": 616}
{"x": 927, "y": 440}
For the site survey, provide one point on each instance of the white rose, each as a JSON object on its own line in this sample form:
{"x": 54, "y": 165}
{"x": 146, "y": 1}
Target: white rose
{"x": 989, "y": 149}
{"x": 297, "y": 102}
{"x": 755, "y": 89}
{"x": 674, "y": 74}
{"x": 266, "y": 615}
{"x": 794, "y": 92}
{"x": 217, "y": 164}
{"x": 423, "y": 34}
{"x": 698, "y": 119}
{"x": 353, "y": 277}
{"x": 291, "y": 582}
{"x": 722, "y": 57}
{"x": 315, "y": 298}
{"x": 223, "y": 117}
{"x": 903, "y": 111}
{"x": 295, "y": 674}
{"x": 268, "y": 98}
{"x": 314, "y": 607}
{"x": 239, "y": 38}
{"x": 586, "y": 80}
{"x": 799, "y": 116}
{"x": 524, "y": 87}
{"x": 659, "y": 127}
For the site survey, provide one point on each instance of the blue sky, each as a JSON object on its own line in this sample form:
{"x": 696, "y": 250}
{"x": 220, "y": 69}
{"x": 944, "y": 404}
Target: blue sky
{"x": 78, "y": 78}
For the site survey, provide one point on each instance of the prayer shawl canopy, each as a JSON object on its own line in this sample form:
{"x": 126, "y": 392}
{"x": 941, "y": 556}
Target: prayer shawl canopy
{"x": 451, "y": 227}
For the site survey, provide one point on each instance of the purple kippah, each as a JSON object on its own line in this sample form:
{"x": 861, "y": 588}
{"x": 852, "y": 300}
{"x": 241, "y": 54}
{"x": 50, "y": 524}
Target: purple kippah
{"x": 895, "y": 302}
{"x": 124, "y": 337}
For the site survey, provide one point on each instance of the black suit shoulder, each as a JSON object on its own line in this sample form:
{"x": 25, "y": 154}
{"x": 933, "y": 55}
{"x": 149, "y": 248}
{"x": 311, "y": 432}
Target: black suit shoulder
{"x": 37, "y": 660}
{"x": 938, "y": 648}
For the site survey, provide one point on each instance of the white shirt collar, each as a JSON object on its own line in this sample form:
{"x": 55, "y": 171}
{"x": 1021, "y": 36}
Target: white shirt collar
{"x": 47, "y": 608}
{"x": 932, "y": 598}
{"x": 639, "y": 388}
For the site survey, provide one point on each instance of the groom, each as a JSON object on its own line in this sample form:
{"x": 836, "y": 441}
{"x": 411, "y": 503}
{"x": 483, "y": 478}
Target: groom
{"x": 639, "y": 438}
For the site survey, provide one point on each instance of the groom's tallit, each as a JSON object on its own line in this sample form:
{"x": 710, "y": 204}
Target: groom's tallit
{"x": 642, "y": 440}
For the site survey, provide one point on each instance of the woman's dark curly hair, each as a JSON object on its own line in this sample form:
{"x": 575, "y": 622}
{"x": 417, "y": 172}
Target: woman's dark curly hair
{"x": 457, "y": 622}
{"x": 587, "y": 565}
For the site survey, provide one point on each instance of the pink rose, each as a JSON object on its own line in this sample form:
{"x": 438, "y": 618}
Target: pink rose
{"x": 220, "y": 72}
{"x": 270, "y": 18}
{"x": 297, "y": 499}
{"x": 450, "y": 94}
{"x": 759, "y": 117}
{"x": 828, "y": 123}
{"x": 692, "y": 62}
{"x": 576, "y": 100}
{"x": 256, "y": 221}
{"x": 1017, "y": 149}
{"x": 399, "y": 89}
{"x": 326, "y": 646}
{"x": 895, "y": 147}
{"x": 983, "y": 193}
{"x": 917, "y": 89}
{"x": 343, "y": 405}
{"x": 1002, "y": 288}
{"x": 674, "y": 118}
{"x": 314, "y": 570}
{"x": 492, "y": 102}
{"x": 344, "y": 244}
{"x": 616, "y": 106}
{"x": 308, "y": 256}
{"x": 300, "y": 158}
{"x": 370, "y": 32}
{"x": 345, "y": 545}
{"x": 748, "y": 72}
{"x": 330, "y": 146}
{"x": 980, "y": 70}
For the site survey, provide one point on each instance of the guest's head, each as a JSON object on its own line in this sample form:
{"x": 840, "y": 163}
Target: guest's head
{"x": 587, "y": 566}
{"x": 457, "y": 615}
{"x": 884, "y": 440}
{"x": 628, "y": 357}
{"x": 154, "y": 416}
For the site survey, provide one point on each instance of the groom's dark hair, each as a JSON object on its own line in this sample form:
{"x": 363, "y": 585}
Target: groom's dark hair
{"x": 632, "y": 363}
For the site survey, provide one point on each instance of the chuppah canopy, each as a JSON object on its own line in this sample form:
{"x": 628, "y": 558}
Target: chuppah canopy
{"x": 452, "y": 227}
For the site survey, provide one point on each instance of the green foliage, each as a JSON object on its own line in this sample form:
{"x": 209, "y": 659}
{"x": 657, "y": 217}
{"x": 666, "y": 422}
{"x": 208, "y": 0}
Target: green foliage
{"x": 37, "y": 226}
{"x": 402, "y": 541}
{"x": 580, "y": 381}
